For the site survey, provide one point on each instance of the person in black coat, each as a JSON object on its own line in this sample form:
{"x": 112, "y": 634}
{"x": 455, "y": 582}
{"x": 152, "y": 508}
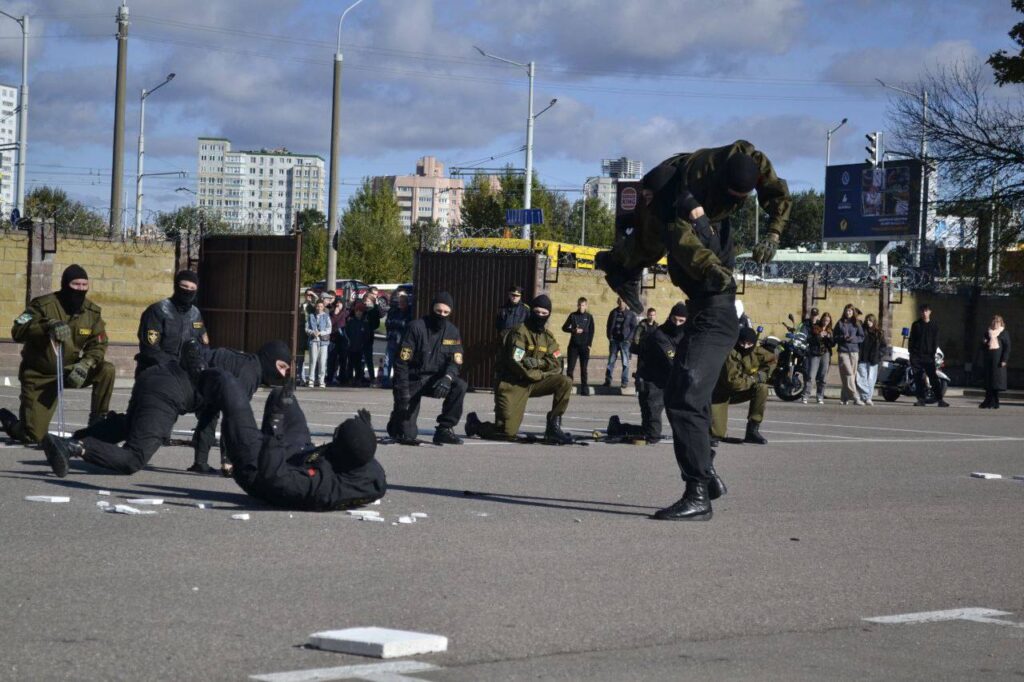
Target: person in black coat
{"x": 168, "y": 325}
{"x": 580, "y": 328}
{"x": 429, "y": 359}
{"x": 924, "y": 342}
{"x": 513, "y": 313}
{"x": 995, "y": 349}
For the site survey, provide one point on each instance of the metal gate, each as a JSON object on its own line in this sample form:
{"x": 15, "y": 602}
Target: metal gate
{"x": 478, "y": 282}
{"x": 249, "y": 290}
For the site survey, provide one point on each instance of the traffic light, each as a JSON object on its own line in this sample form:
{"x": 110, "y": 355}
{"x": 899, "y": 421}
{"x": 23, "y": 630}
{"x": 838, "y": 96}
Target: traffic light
{"x": 874, "y": 148}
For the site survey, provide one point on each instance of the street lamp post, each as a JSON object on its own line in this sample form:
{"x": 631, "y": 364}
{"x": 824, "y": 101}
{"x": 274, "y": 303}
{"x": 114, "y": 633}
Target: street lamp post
{"x": 828, "y": 158}
{"x": 23, "y": 112}
{"x": 583, "y": 221}
{"x": 530, "y": 118}
{"x": 142, "y": 152}
{"x": 332, "y": 188}
{"x": 923, "y": 99}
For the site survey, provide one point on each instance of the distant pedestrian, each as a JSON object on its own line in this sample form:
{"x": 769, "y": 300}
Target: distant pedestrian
{"x": 872, "y": 348}
{"x": 646, "y": 325}
{"x": 356, "y": 329}
{"x": 376, "y": 310}
{"x": 848, "y": 335}
{"x": 924, "y": 343}
{"x": 619, "y": 329}
{"x": 819, "y": 351}
{"x": 512, "y": 314}
{"x": 302, "y": 361}
{"x": 337, "y": 358}
{"x": 996, "y": 353}
{"x": 580, "y": 328}
{"x": 318, "y": 334}
{"x": 399, "y": 317}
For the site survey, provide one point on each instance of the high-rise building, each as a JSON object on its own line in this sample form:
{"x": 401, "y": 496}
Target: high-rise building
{"x": 8, "y": 154}
{"x": 427, "y": 195}
{"x": 603, "y": 187}
{"x": 257, "y": 189}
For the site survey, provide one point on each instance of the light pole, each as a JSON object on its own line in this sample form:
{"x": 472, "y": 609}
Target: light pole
{"x": 828, "y": 158}
{"x": 923, "y": 99}
{"x": 142, "y": 152}
{"x": 530, "y": 118}
{"x": 583, "y": 221}
{"x": 22, "y": 113}
{"x": 332, "y": 188}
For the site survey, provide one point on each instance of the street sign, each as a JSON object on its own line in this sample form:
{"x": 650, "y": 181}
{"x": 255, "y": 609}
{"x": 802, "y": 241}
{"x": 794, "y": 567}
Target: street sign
{"x": 524, "y": 216}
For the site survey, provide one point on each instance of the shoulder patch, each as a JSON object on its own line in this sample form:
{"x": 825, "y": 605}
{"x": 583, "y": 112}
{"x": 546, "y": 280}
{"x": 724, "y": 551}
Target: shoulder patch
{"x": 197, "y": 325}
{"x": 458, "y": 358}
{"x": 670, "y": 354}
{"x": 451, "y": 342}
{"x": 24, "y": 318}
{"x": 152, "y": 337}
{"x": 85, "y": 331}
{"x": 406, "y": 354}
{"x": 557, "y": 353}
{"x": 519, "y": 354}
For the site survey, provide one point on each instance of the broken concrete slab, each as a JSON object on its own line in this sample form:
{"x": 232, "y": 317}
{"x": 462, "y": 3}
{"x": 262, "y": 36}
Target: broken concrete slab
{"x": 982, "y": 474}
{"x": 126, "y": 509}
{"x": 54, "y": 499}
{"x": 378, "y": 642}
{"x": 240, "y": 517}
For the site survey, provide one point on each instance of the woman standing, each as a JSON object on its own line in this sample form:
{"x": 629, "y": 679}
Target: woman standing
{"x": 848, "y": 335}
{"x": 318, "y": 329}
{"x": 996, "y": 353}
{"x": 872, "y": 348}
{"x": 819, "y": 350}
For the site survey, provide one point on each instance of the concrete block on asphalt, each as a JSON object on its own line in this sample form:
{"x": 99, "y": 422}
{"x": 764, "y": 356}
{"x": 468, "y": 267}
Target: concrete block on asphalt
{"x": 406, "y": 519}
{"x": 55, "y": 499}
{"x": 126, "y": 509}
{"x": 146, "y": 500}
{"x": 378, "y": 642}
{"x": 102, "y": 492}
{"x": 240, "y": 517}
{"x": 362, "y": 512}
{"x": 102, "y": 504}
{"x": 419, "y": 515}
{"x": 982, "y": 474}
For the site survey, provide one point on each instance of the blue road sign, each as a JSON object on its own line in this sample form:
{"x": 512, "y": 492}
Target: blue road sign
{"x": 524, "y": 216}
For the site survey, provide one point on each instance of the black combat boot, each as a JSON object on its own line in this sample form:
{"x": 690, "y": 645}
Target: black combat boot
{"x": 472, "y": 425}
{"x": 554, "y": 433}
{"x": 754, "y": 435}
{"x": 7, "y": 421}
{"x": 694, "y": 505}
{"x": 716, "y": 486}
{"x": 615, "y": 427}
{"x": 713, "y": 442}
{"x": 59, "y": 452}
{"x": 443, "y": 435}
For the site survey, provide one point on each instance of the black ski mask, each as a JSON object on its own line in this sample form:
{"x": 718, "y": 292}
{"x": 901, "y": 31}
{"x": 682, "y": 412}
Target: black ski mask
{"x": 535, "y": 322}
{"x": 269, "y": 354}
{"x": 353, "y": 446}
{"x": 70, "y": 299}
{"x": 435, "y": 321}
{"x": 184, "y": 298}
{"x": 747, "y": 335}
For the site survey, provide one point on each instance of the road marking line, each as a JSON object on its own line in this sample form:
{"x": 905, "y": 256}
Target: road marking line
{"x": 347, "y": 672}
{"x": 974, "y": 615}
{"x": 885, "y": 428}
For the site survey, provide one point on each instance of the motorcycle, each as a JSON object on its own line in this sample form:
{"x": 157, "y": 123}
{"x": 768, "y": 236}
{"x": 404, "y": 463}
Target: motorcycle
{"x": 789, "y": 377}
{"x": 896, "y": 376}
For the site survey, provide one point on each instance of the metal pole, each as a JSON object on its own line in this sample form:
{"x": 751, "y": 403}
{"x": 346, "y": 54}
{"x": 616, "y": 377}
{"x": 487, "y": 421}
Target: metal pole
{"x": 23, "y": 117}
{"x": 757, "y": 221}
{"x": 332, "y": 198}
{"x": 922, "y": 231}
{"x": 138, "y": 163}
{"x": 117, "y": 172}
{"x": 529, "y": 152}
{"x": 583, "y": 222}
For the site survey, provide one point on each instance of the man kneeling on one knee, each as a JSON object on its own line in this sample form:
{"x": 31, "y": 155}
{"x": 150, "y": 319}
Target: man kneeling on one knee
{"x": 744, "y": 378}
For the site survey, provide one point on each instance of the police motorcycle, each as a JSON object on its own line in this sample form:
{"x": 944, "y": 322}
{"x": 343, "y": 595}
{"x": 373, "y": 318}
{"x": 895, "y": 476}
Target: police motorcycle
{"x": 896, "y": 376}
{"x": 789, "y": 377}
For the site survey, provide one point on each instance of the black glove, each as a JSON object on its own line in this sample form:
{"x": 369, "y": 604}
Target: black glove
{"x": 702, "y": 226}
{"x": 530, "y": 362}
{"x": 443, "y": 387}
{"x": 192, "y": 361}
{"x": 78, "y": 373}
{"x": 365, "y": 416}
{"x": 765, "y": 249}
{"x": 58, "y": 331}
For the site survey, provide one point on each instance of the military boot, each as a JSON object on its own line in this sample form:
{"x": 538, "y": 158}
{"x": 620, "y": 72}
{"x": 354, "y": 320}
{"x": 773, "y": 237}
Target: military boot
{"x": 472, "y": 425}
{"x": 754, "y": 435}
{"x": 7, "y": 421}
{"x": 443, "y": 435}
{"x": 554, "y": 433}
{"x": 716, "y": 486}
{"x": 694, "y": 505}
{"x": 615, "y": 427}
{"x": 59, "y": 452}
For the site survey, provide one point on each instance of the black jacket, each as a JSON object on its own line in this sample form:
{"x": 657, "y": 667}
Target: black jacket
{"x": 163, "y": 332}
{"x": 820, "y": 345}
{"x": 657, "y": 352}
{"x": 628, "y": 323}
{"x": 872, "y": 348}
{"x": 427, "y": 353}
{"x": 924, "y": 341}
{"x": 396, "y": 323}
{"x": 510, "y": 316}
{"x": 245, "y": 367}
{"x": 584, "y": 321}
{"x": 994, "y": 377}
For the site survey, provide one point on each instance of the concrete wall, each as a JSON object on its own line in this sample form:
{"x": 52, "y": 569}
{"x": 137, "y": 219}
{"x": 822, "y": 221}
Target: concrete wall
{"x": 13, "y": 275}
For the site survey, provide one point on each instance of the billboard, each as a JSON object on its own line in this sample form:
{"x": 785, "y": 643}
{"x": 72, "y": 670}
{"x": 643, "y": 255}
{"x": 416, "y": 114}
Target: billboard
{"x": 864, "y": 204}
{"x": 627, "y": 195}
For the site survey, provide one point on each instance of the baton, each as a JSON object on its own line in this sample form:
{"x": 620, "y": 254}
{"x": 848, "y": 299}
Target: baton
{"x": 58, "y": 349}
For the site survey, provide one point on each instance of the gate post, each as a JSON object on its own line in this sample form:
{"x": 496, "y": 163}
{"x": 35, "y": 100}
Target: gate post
{"x": 42, "y": 244}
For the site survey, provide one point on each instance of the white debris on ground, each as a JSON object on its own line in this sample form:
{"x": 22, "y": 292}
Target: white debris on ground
{"x": 406, "y": 519}
{"x": 102, "y": 492}
{"x": 378, "y": 642}
{"x": 203, "y": 505}
{"x": 419, "y": 515}
{"x": 982, "y": 474}
{"x": 127, "y": 509}
{"x": 240, "y": 517}
{"x": 102, "y": 504}
{"x": 146, "y": 500}
{"x": 54, "y": 499}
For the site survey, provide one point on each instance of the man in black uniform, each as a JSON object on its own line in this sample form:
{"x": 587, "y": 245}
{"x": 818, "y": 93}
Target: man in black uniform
{"x": 924, "y": 342}
{"x": 160, "y": 395}
{"x": 655, "y": 356}
{"x": 277, "y": 464}
{"x": 513, "y": 313}
{"x": 429, "y": 359}
{"x": 580, "y": 328}
{"x": 682, "y": 200}
{"x": 167, "y": 325}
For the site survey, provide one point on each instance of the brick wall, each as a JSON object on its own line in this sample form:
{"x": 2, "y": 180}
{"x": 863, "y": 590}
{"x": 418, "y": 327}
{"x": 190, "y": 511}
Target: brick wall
{"x": 13, "y": 266}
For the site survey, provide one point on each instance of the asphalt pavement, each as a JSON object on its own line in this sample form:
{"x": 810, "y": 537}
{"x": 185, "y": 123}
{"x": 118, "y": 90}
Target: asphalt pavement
{"x": 539, "y": 562}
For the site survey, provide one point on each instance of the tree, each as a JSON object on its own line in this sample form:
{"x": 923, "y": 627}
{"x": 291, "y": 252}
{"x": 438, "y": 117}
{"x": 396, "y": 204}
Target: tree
{"x": 426, "y": 234}
{"x": 805, "y": 220}
{"x": 600, "y": 223}
{"x": 68, "y": 216}
{"x": 1010, "y": 68}
{"x": 190, "y": 222}
{"x": 312, "y": 225}
{"x": 482, "y": 213}
{"x": 372, "y": 245}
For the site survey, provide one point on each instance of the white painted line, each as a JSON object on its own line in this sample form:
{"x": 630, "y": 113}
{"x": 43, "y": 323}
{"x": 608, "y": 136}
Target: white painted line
{"x": 345, "y": 672}
{"x": 886, "y": 428}
{"x": 974, "y": 615}
{"x": 982, "y": 474}
{"x": 378, "y": 642}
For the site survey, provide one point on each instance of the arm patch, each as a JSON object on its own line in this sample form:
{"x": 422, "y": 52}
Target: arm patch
{"x": 519, "y": 354}
{"x": 24, "y": 318}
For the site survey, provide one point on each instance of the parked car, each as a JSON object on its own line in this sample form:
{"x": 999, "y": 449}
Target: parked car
{"x": 348, "y": 289}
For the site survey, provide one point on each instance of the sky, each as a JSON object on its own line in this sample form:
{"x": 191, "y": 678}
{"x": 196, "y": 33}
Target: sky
{"x": 644, "y": 79}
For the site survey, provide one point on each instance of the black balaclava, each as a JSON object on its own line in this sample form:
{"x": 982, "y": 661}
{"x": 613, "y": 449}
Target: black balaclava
{"x": 747, "y": 335}
{"x": 742, "y": 173}
{"x": 269, "y": 354}
{"x": 435, "y": 321}
{"x": 671, "y": 329}
{"x": 183, "y": 298}
{"x": 535, "y": 322}
{"x": 353, "y": 446}
{"x": 71, "y": 299}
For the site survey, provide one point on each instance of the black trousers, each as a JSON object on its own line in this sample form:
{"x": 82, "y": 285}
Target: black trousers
{"x": 922, "y": 369}
{"x": 711, "y": 333}
{"x": 652, "y": 403}
{"x": 404, "y": 423}
{"x": 581, "y": 353}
